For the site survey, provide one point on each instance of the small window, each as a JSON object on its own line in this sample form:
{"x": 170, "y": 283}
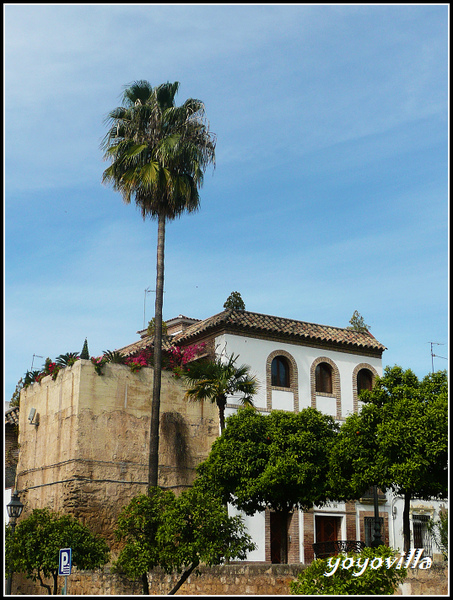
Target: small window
{"x": 364, "y": 380}
{"x": 323, "y": 376}
{"x": 280, "y": 372}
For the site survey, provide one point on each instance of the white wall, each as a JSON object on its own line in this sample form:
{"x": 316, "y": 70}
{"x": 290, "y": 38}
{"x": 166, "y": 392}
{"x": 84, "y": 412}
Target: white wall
{"x": 431, "y": 508}
{"x": 255, "y": 526}
{"x": 6, "y": 500}
{"x": 254, "y": 352}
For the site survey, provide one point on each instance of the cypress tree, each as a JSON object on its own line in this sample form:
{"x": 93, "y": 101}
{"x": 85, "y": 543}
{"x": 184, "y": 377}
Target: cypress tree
{"x": 85, "y": 354}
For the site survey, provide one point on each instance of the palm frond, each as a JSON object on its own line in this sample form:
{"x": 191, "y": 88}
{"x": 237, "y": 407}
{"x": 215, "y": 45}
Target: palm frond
{"x": 68, "y": 359}
{"x": 211, "y": 380}
{"x": 158, "y": 151}
{"x": 113, "y": 356}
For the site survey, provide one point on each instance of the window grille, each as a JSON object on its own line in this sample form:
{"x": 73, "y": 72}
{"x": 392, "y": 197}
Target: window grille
{"x": 422, "y": 539}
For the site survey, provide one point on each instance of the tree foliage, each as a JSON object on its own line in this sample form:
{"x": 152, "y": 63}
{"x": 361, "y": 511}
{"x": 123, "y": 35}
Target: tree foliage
{"x": 357, "y": 322}
{"x": 158, "y": 151}
{"x": 85, "y": 354}
{"x": 34, "y": 547}
{"x": 151, "y": 329}
{"x": 373, "y": 581}
{"x": 397, "y": 442}
{"x": 177, "y": 534}
{"x": 114, "y": 356}
{"x": 234, "y": 302}
{"x": 15, "y": 398}
{"x": 438, "y": 530}
{"x": 278, "y": 461}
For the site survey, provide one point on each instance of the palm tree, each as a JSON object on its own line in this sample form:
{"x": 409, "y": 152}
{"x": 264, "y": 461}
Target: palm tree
{"x": 215, "y": 380}
{"x": 158, "y": 153}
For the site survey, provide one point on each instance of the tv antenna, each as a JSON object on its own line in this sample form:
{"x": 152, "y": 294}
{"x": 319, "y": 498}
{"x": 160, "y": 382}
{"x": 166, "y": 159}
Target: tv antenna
{"x": 435, "y": 355}
{"x": 147, "y": 291}
{"x": 33, "y": 360}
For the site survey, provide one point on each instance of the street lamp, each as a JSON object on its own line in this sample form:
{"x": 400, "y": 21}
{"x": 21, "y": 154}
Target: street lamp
{"x": 14, "y": 509}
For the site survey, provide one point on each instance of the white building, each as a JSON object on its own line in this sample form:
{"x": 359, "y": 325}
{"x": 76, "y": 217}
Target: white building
{"x": 300, "y": 365}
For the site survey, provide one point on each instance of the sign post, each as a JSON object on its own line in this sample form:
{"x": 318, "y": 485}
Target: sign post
{"x": 64, "y": 566}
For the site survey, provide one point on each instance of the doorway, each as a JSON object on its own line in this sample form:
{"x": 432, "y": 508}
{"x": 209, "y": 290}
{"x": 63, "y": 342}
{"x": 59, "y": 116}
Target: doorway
{"x": 279, "y": 523}
{"x": 327, "y": 533}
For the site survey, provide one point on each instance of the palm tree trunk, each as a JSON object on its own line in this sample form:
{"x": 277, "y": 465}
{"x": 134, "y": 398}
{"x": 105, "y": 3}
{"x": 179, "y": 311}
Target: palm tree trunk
{"x": 153, "y": 470}
{"x": 221, "y": 403}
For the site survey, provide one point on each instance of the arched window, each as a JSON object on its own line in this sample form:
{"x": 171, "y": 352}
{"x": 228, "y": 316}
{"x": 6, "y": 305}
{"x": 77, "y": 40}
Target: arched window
{"x": 323, "y": 375}
{"x": 364, "y": 380}
{"x": 280, "y": 372}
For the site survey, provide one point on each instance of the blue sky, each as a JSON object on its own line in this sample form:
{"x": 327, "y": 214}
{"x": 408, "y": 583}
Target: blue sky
{"x": 330, "y": 192}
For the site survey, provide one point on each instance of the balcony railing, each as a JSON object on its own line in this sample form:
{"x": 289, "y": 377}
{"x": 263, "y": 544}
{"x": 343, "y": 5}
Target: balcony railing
{"x": 325, "y": 549}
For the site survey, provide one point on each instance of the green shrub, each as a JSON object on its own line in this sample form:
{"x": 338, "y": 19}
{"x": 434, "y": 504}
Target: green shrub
{"x": 439, "y": 532}
{"x": 346, "y": 580}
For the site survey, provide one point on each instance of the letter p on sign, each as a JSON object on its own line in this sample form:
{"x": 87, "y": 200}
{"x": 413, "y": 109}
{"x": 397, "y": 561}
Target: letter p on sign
{"x": 64, "y": 562}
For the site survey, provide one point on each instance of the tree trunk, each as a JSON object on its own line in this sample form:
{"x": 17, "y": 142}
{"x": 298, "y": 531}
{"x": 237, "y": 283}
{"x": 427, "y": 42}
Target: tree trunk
{"x": 145, "y": 584}
{"x": 284, "y": 547}
{"x": 221, "y": 403}
{"x": 153, "y": 470}
{"x": 406, "y": 522}
{"x": 183, "y": 577}
{"x": 44, "y": 585}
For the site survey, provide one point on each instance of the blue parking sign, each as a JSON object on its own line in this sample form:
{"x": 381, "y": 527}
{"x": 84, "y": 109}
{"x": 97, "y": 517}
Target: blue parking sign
{"x": 64, "y": 561}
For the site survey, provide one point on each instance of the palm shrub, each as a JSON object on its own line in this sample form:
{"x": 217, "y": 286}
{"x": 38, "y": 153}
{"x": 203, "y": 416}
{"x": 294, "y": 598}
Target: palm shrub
{"x": 68, "y": 359}
{"x": 115, "y": 357}
{"x": 216, "y": 380}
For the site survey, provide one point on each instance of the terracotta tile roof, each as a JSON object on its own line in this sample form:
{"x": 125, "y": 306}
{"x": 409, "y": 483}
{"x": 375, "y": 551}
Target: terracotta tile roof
{"x": 145, "y": 342}
{"x": 182, "y": 318}
{"x": 249, "y": 322}
{"x": 12, "y": 416}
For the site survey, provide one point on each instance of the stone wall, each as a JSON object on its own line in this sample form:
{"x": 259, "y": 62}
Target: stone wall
{"x": 426, "y": 582}
{"x": 89, "y": 454}
{"x": 225, "y": 580}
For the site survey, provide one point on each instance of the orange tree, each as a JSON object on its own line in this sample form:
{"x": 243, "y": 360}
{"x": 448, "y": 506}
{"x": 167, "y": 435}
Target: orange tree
{"x": 177, "y": 534}
{"x": 34, "y": 547}
{"x": 279, "y": 461}
{"x": 398, "y": 441}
